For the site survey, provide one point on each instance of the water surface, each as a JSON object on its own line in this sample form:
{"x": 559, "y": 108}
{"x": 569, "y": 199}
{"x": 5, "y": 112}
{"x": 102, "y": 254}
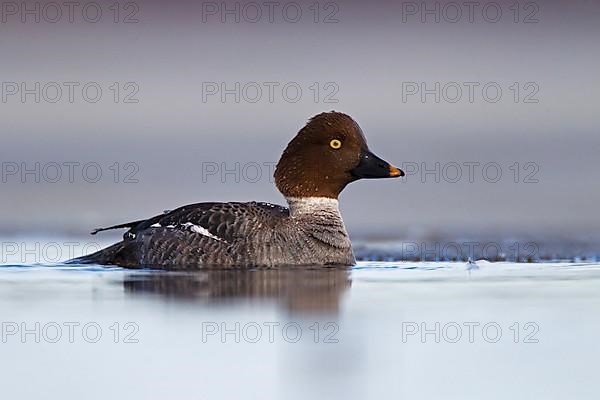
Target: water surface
{"x": 380, "y": 329}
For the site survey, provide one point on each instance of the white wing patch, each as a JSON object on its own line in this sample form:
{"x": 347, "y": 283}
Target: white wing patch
{"x": 200, "y": 230}
{"x": 192, "y": 227}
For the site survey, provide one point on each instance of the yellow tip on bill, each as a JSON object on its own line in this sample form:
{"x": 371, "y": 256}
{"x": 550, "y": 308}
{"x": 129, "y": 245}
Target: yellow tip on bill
{"x": 395, "y": 171}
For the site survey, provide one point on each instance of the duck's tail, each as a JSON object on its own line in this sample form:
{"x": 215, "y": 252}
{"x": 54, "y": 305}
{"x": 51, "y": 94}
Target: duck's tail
{"x": 105, "y": 256}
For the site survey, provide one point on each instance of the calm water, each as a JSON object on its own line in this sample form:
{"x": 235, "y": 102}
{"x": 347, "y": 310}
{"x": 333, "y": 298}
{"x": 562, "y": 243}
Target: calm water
{"x": 378, "y": 330}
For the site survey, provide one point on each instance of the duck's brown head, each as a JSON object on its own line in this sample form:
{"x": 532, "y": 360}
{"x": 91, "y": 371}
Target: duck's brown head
{"x": 327, "y": 154}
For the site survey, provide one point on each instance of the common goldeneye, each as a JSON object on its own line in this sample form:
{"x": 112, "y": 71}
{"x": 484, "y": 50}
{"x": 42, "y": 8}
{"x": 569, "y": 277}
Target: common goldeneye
{"x": 328, "y": 153}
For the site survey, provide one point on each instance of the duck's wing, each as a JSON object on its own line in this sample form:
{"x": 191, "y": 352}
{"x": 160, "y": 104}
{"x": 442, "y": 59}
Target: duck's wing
{"x": 202, "y": 233}
{"x": 222, "y": 221}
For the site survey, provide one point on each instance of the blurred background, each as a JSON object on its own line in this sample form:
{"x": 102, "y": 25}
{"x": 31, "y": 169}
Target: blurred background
{"x": 115, "y": 111}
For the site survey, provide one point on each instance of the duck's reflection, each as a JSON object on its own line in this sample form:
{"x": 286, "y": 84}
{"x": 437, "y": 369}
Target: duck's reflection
{"x": 297, "y": 289}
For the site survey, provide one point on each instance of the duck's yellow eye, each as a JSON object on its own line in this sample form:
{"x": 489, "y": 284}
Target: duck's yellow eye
{"x": 335, "y": 144}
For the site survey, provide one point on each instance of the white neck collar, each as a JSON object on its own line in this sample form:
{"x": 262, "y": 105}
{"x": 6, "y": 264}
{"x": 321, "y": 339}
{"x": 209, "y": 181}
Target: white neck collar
{"x": 306, "y": 205}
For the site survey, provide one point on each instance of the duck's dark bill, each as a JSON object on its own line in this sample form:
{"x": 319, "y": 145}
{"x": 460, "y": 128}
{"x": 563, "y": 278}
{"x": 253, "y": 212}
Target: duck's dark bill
{"x": 371, "y": 166}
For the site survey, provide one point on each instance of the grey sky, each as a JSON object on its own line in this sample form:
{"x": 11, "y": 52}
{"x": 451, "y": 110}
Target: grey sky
{"x": 545, "y": 126}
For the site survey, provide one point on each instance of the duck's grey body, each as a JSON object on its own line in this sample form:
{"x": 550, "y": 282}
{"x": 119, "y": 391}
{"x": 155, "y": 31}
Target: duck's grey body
{"x": 310, "y": 232}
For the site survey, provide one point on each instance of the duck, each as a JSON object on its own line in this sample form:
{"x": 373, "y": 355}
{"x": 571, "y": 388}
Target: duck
{"x": 326, "y": 155}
